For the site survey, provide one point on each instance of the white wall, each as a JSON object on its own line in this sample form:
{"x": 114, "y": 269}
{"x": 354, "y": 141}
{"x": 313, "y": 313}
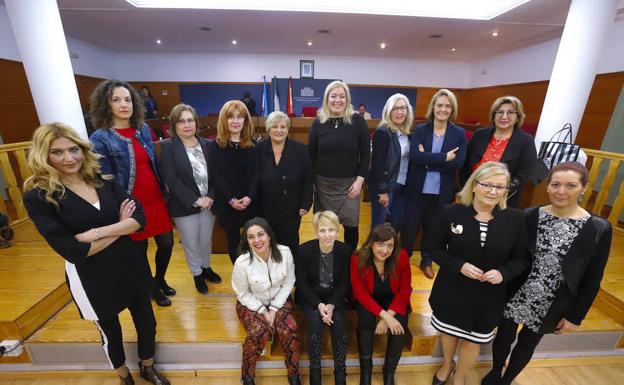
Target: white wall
{"x": 251, "y": 68}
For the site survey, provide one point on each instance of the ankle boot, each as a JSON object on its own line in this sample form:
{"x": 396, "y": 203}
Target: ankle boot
{"x": 340, "y": 377}
{"x": 248, "y": 380}
{"x": 492, "y": 378}
{"x": 394, "y": 349}
{"x": 149, "y": 374}
{"x": 128, "y": 380}
{"x": 294, "y": 380}
{"x": 365, "y": 349}
{"x": 315, "y": 376}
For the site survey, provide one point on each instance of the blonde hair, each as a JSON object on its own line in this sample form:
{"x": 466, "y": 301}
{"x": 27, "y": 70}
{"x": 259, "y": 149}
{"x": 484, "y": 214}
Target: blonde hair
{"x": 223, "y": 134}
{"x": 387, "y": 110}
{"x": 275, "y": 117}
{"x": 517, "y": 105}
{"x": 434, "y": 99}
{"x": 485, "y": 171}
{"x": 324, "y": 113}
{"x": 326, "y": 218}
{"x": 46, "y": 177}
{"x": 176, "y": 113}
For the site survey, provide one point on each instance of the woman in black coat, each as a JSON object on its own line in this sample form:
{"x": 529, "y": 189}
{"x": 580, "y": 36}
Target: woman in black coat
{"x": 87, "y": 221}
{"x": 322, "y": 272}
{"x": 504, "y": 142}
{"x": 231, "y": 162}
{"x": 480, "y": 246}
{"x": 285, "y": 181}
{"x": 569, "y": 247}
{"x": 184, "y": 169}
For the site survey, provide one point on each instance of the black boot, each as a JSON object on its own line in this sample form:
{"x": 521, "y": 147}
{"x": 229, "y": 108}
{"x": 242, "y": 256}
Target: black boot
{"x": 210, "y": 275}
{"x": 315, "y": 346}
{"x": 248, "y": 380}
{"x": 160, "y": 298}
{"x": 149, "y": 374}
{"x": 166, "y": 289}
{"x": 294, "y": 380}
{"x": 128, "y": 380}
{"x": 365, "y": 348}
{"x": 492, "y": 378}
{"x": 339, "y": 346}
{"x": 200, "y": 285}
{"x": 394, "y": 348}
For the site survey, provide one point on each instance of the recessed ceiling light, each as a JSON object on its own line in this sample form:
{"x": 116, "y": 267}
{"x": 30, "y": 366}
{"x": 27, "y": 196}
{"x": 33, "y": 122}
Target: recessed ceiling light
{"x": 309, "y": 43}
{"x": 453, "y": 9}
{"x": 234, "y": 42}
{"x": 158, "y": 41}
{"x": 205, "y": 29}
{"x": 323, "y": 31}
{"x": 435, "y": 36}
{"x": 494, "y": 34}
{"x": 453, "y": 49}
{"x": 382, "y": 45}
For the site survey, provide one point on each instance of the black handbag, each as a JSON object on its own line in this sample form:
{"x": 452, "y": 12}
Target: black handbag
{"x": 553, "y": 152}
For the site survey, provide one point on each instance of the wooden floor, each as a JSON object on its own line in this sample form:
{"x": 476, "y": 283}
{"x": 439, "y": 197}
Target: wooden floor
{"x": 538, "y": 373}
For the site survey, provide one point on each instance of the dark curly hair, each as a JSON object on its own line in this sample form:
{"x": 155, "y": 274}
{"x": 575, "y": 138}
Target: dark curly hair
{"x": 380, "y": 233}
{"x": 244, "y": 247}
{"x": 99, "y": 104}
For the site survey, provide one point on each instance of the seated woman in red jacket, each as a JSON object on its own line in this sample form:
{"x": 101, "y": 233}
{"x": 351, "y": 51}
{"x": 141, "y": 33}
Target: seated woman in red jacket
{"x": 381, "y": 282}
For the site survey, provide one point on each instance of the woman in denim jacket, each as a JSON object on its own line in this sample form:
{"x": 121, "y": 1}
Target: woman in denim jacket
{"x": 128, "y": 155}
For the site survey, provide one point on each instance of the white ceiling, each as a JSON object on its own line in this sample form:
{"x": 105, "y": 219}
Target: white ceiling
{"x": 117, "y": 26}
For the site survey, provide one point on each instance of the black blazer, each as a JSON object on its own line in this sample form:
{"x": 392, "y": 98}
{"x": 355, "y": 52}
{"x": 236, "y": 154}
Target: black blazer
{"x": 307, "y": 273}
{"x": 583, "y": 267}
{"x": 112, "y": 278}
{"x": 519, "y": 156}
{"x": 177, "y": 174}
{"x": 421, "y": 162}
{"x": 287, "y": 187}
{"x": 457, "y": 299}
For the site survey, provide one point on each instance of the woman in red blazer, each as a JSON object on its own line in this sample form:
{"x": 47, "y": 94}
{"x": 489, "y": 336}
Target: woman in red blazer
{"x": 381, "y": 282}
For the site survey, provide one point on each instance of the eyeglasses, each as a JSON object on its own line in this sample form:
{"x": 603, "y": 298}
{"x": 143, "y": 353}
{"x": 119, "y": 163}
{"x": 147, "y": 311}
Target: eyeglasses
{"x": 568, "y": 187}
{"x": 182, "y": 121}
{"x": 490, "y": 187}
{"x": 510, "y": 113}
{"x": 399, "y": 109}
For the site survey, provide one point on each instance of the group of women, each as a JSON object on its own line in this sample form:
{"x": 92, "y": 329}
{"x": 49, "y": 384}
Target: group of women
{"x": 97, "y": 204}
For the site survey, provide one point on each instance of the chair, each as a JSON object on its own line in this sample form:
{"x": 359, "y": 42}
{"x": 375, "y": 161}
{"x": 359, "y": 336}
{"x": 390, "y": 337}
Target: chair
{"x": 309, "y": 112}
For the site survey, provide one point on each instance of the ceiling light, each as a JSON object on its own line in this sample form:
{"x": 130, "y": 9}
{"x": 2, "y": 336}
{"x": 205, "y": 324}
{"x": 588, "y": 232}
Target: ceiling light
{"x": 205, "y": 29}
{"x": 158, "y": 41}
{"x": 323, "y": 31}
{"x": 309, "y": 43}
{"x": 234, "y": 42}
{"x": 382, "y": 45}
{"x": 494, "y": 34}
{"x": 435, "y": 36}
{"x": 453, "y": 49}
{"x": 453, "y": 9}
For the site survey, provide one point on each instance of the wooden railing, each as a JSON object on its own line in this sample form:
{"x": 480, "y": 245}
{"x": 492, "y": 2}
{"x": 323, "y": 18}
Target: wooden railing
{"x": 10, "y": 155}
{"x": 611, "y": 162}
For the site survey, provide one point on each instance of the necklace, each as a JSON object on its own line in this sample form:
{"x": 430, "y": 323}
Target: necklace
{"x": 84, "y": 186}
{"x": 336, "y": 121}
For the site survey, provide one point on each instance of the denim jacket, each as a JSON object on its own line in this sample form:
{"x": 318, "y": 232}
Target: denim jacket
{"x": 117, "y": 156}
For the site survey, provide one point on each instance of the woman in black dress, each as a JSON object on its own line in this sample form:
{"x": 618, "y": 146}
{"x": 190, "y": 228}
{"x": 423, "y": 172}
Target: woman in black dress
{"x": 87, "y": 221}
{"x": 285, "y": 185}
{"x": 339, "y": 145}
{"x": 322, "y": 272}
{"x": 231, "y": 164}
{"x": 570, "y": 248}
{"x": 480, "y": 246}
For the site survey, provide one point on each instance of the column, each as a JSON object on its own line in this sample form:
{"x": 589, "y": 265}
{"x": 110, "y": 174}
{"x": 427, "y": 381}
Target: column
{"x": 41, "y": 41}
{"x": 574, "y": 71}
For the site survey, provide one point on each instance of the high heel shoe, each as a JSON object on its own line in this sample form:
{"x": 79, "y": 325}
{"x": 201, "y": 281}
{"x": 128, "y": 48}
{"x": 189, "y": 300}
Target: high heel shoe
{"x": 437, "y": 381}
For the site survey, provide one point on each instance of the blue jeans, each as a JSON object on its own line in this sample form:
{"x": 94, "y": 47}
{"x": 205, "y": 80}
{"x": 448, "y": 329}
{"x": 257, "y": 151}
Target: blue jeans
{"x": 396, "y": 208}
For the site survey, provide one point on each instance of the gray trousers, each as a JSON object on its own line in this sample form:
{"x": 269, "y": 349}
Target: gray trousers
{"x": 196, "y": 236}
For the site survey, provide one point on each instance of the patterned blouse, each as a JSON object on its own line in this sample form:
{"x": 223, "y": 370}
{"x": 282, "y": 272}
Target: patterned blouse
{"x": 531, "y": 303}
{"x": 200, "y": 169}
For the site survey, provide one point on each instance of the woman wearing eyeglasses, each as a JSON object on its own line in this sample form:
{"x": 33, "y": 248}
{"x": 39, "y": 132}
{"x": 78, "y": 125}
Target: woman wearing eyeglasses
{"x": 504, "y": 142}
{"x": 480, "y": 246}
{"x": 569, "y": 248}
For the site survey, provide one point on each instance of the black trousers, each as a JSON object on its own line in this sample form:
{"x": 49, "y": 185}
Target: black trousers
{"x": 144, "y": 324}
{"x": 315, "y": 337}
{"x": 368, "y": 322}
{"x": 233, "y": 234}
{"x": 164, "y": 248}
{"x": 287, "y": 234}
{"x": 420, "y": 213}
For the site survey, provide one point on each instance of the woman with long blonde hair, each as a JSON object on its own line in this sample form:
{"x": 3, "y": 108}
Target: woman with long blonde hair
{"x": 88, "y": 220}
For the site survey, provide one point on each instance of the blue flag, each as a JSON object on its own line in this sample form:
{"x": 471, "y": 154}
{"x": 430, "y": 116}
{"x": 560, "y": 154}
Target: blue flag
{"x": 265, "y": 99}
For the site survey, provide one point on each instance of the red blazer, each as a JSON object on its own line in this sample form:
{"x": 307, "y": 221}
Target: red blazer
{"x": 401, "y": 285}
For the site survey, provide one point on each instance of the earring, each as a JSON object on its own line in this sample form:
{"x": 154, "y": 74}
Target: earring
{"x": 580, "y": 198}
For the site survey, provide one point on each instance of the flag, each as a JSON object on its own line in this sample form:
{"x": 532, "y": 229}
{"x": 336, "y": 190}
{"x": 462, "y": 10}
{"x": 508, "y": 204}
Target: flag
{"x": 276, "y": 101}
{"x": 289, "y": 102}
{"x": 265, "y": 100}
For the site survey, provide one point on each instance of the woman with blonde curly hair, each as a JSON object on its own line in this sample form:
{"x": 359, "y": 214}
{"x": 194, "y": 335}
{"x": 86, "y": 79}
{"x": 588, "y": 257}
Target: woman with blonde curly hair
{"x": 87, "y": 220}
{"x": 232, "y": 167}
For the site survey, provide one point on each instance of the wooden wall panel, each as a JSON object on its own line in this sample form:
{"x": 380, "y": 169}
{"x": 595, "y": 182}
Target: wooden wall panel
{"x": 165, "y": 102}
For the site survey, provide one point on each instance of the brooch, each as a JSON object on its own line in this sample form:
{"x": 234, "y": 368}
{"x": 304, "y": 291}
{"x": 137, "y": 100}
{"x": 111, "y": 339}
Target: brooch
{"x": 457, "y": 229}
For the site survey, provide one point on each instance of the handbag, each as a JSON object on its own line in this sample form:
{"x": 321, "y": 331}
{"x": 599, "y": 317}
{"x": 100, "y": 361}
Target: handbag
{"x": 553, "y": 152}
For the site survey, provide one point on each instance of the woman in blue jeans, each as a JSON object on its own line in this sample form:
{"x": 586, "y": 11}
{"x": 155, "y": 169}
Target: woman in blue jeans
{"x": 390, "y": 158}
{"x": 438, "y": 150}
